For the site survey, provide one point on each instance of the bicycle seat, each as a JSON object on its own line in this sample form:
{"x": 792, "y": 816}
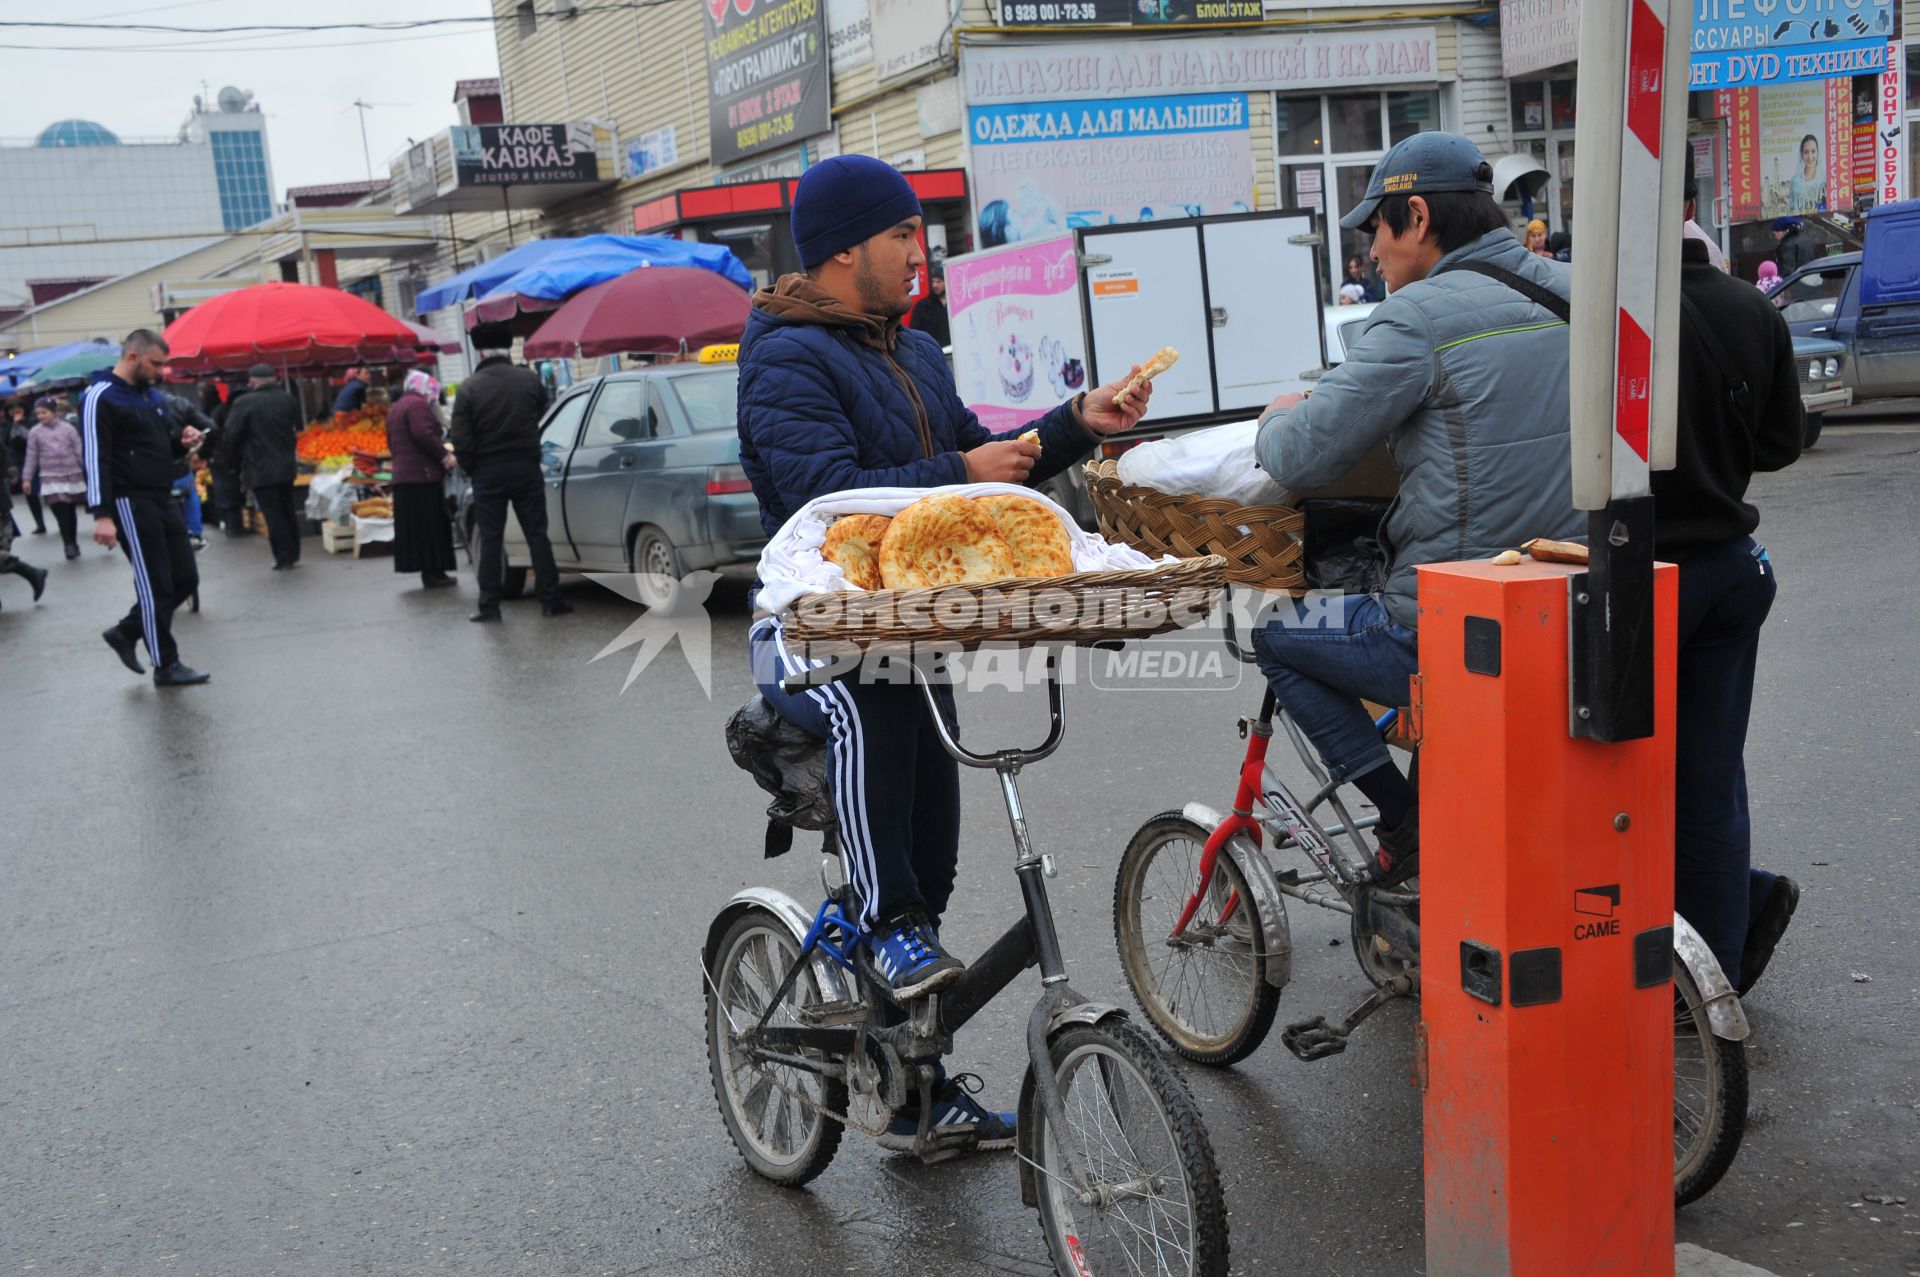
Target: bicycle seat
{"x": 788, "y": 763}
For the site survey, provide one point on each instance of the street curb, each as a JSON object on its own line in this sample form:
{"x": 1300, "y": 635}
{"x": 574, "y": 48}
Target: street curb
{"x": 1691, "y": 1261}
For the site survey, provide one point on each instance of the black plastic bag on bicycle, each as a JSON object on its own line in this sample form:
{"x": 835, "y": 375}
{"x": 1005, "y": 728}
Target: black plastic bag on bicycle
{"x": 788, "y": 763}
{"x": 1344, "y": 550}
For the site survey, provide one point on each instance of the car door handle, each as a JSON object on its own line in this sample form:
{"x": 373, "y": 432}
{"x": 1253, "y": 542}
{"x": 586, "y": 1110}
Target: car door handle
{"x": 626, "y": 462}
{"x": 1823, "y": 328}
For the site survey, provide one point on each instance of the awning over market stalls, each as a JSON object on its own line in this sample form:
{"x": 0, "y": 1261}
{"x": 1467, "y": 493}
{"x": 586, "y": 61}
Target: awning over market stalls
{"x": 19, "y": 368}
{"x": 475, "y": 281}
{"x": 597, "y": 259}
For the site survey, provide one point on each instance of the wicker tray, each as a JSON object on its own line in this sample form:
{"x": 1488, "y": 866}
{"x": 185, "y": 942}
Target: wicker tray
{"x": 1084, "y": 607}
{"x": 1262, "y": 544}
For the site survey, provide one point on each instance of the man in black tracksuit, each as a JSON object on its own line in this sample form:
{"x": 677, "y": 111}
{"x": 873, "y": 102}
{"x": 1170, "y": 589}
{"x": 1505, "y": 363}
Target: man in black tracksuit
{"x": 1739, "y": 412}
{"x": 129, "y": 451}
{"x": 496, "y": 440}
{"x": 260, "y": 444}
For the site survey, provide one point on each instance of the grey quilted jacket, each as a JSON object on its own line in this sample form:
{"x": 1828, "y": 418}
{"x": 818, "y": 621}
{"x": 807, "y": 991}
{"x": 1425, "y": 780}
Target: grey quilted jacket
{"x": 1466, "y": 380}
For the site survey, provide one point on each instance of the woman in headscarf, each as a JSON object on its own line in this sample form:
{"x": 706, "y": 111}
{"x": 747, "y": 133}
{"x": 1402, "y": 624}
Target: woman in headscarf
{"x": 1536, "y": 238}
{"x": 422, "y": 533}
{"x": 55, "y": 469}
{"x": 1769, "y": 276}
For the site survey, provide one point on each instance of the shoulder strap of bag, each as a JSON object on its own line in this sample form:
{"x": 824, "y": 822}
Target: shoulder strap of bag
{"x": 1739, "y": 393}
{"x": 1522, "y": 285}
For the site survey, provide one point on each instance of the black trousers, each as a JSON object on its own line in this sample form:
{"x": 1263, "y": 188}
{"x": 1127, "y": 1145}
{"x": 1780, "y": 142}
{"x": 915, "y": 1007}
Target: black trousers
{"x": 153, "y": 534}
{"x": 519, "y": 484}
{"x": 283, "y": 530}
{"x": 228, "y": 499}
{"x": 1725, "y": 595}
{"x": 67, "y": 515}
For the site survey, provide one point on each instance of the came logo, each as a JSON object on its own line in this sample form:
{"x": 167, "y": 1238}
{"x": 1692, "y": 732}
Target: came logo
{"x": 675, "y": 609}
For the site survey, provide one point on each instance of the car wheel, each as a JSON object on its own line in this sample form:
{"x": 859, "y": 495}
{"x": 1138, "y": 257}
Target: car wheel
{"x": 655, "y": 565}
{"x": 1815, "y": 422}
{"x": 513, "y": 583}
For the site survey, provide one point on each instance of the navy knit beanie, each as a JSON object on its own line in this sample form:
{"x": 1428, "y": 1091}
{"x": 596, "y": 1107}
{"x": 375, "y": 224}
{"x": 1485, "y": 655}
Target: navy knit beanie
{"x": 846, "y": 200}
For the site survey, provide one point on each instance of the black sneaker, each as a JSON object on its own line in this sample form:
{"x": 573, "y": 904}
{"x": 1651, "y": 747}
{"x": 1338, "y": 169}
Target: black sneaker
{"x": 436, "y": 580}
{"x": 1765, "y": 928}
{"x": 178, "y": 675}
{"x": 1399, "y": 856}
{"x": 125, "y": 648}
{"x": 556, "y": 607}
{"x": 486, "y": 614}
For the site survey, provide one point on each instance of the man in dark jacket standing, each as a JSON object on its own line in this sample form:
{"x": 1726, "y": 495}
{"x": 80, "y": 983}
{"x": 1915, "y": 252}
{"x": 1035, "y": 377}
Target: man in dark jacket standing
{"x": 930, "y": 312}
{"x": 1739, "y": 411}
{"x": 496, "y": 439}
{"x": 260, "y": 444}
{"x": 1795, "y": 247}
{"x": 129, "y": 451}
{"x": 834, "y": 394}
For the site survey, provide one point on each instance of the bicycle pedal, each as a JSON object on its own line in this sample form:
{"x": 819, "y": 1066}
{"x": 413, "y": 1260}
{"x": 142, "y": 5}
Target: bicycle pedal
{"x": 946, "y": 1142}
{"x": 1313, "y": 1039}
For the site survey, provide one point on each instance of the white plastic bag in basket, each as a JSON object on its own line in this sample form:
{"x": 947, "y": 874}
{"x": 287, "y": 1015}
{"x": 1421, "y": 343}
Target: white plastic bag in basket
{"x": 1217, "y": 462}
{"x": 791, "y": 564}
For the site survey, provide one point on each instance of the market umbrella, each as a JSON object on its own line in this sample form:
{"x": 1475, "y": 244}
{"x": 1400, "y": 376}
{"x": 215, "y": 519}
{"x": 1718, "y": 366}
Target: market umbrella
{"x": 289, "y": 326}
{"x": 428, "y": 339}
{"x": 72, "y": 369}
{"x": 595, "y": 259}
{"x": 20, "y": 367}
{"x": 477, "y": 281}
{"x": 660, "y": 310}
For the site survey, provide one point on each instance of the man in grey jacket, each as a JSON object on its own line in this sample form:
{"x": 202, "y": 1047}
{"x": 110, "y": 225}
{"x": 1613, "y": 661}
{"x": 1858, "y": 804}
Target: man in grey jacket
{"x": 1462, "y": 370}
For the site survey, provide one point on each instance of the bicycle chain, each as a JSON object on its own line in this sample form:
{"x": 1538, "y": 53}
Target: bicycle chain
{"x": 872, "y": 1132}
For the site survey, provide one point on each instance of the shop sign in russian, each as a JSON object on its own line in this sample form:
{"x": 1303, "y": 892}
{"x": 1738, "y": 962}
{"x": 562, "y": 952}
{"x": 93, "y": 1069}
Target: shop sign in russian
{"x": 1040, "y": 169}
{"x": 908, "y": 34}
{"x": 1252, "y": 63}
{"x": 528, "y": 154}
{"x": 1138, "y": 13}
{"x": 1737, "y": 43}
{"x": 1017, "y": 345}
{"x": 1893, "y": 157}
{"x": 1537, "y": 34}
{"x": 768, "y": 83}
{"x": 849, "y": 34}
{"x": 655, "y": 149}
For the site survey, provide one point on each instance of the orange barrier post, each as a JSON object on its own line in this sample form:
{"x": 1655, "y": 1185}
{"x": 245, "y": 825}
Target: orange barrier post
{"x": 1546, "y": 941}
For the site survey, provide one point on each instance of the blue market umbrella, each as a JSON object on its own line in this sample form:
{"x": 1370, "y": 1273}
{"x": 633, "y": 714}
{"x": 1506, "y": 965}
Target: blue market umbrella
{"x": 596, "y": 259}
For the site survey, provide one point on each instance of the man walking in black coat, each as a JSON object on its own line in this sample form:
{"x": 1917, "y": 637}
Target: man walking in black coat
{"x": 129, "y": 450}
{"x": 496, "y": 439}
{"x": 260, "y": 441}
{"x": 1739, "y": 412}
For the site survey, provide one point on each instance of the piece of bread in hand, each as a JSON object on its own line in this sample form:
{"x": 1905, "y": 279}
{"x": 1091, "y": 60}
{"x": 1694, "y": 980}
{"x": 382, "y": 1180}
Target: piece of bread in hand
{"x": 1034, "y": 534}
{"x": 853, "y": 542}
{"x": 943, "y": 540}
{"x": 1163, "y": 359}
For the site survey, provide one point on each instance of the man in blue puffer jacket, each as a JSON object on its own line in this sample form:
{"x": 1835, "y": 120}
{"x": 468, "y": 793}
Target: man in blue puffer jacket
{"x": 835, "y": 394}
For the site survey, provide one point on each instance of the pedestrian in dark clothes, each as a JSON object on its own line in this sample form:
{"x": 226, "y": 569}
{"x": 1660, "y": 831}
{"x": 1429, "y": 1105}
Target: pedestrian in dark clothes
{"x": 422, "y": 532}
{"x": 19, "y": 427}
{"x": 130, "y": 452}
{"x": 1739, "y": 412}
{"x": 9, "y": 565}
{"x": 929, "y": 314}
{"x": 496, "y": 436}
{"x": 260, "y": 441}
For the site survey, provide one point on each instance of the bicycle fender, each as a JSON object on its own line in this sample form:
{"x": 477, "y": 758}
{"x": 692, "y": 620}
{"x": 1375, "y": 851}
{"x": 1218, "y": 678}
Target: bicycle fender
{"x": 797, "y": 920}
{"x": 1276, "y": 940}
{"x": 1725, "y": 1016}
{"x": 1082, "y": 1013}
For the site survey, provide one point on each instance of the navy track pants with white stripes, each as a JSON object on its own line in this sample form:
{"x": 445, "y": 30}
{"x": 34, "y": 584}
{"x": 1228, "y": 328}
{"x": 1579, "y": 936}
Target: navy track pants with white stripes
{"x": 154, "y": 536}
{"x": 896, "y": 790}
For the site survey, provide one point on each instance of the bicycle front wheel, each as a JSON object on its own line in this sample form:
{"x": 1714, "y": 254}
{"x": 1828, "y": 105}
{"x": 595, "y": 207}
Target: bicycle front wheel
{"x": 777, "y": 1113}
{"x": 1153, "y": 1203}
{"x": 1709, "y": 1094}
{"x": 1205, "y": 989}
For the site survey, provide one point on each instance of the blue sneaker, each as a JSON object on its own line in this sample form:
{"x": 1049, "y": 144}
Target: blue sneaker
{"x": 910, "y": 959}
{"x": 954, "y": 1111}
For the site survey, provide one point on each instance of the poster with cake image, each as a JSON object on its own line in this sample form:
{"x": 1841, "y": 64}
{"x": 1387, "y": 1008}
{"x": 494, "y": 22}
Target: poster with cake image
{"x": 1017, "y": 346}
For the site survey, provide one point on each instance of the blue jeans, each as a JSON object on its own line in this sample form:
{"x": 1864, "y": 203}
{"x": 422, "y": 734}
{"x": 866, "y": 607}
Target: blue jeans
{"x": 1725, "y": 595}
{"x": 1322, "y": 654}
{"x": 190, "y": 508}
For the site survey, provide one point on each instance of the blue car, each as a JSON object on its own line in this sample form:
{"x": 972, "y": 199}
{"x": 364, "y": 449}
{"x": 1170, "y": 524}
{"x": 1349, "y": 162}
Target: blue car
{"x": 643, "y": 475}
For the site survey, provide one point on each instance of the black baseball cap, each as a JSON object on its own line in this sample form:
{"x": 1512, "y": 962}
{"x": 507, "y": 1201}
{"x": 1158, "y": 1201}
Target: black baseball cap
{"x": 1424, "y": 164}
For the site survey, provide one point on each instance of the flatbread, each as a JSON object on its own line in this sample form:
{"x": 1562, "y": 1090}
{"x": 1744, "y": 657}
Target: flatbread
{"x": 1032, "y": 437}
{"x": 853, "y": 542}
{"x": 1035, "y": 535}
{"x": 943, "y": 540}
{"x": 1163, "y": 359}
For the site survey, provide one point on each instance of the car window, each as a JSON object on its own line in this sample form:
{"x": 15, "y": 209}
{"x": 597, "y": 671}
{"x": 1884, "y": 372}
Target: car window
{"x": 556, "y": 437}
{"x": 620, "y": 415}
{"x": 1349, "y": 333}
{"x": 1811, "y": 297}
{"x": 711, "y": 399}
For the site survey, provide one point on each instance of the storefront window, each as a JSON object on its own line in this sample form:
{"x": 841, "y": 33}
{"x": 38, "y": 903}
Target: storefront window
{"x": 1296, "y": 124}
{"x": 1355, "y": 121}
{"x": 752, "y": 244}
{"x": 1529, "y": 106}
{"x": 1410, "y": 113}
{"x": 1563, "y": 100}
{"x": 1543, "y": 125}
{"x": 1913, "y": 75}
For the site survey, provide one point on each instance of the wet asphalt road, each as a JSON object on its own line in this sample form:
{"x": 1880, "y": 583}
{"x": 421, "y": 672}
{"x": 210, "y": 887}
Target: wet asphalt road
{"x": 379, "y": 954}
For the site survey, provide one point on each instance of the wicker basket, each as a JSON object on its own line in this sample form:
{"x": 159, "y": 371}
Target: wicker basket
{"x": 1084, "y": 607}
{"x": 1262, "y": 544}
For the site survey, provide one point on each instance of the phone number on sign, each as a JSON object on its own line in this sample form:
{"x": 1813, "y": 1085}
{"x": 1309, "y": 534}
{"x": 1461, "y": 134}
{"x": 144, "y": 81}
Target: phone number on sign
{"x": 1063, "y": 12}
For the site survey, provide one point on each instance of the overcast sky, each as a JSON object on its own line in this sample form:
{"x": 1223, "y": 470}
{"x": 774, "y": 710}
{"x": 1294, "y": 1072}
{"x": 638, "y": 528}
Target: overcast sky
{"x": 142, "y": 85}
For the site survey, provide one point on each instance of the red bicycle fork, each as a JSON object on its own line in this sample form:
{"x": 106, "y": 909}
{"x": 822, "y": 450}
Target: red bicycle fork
{"x": 1241, "y": 821}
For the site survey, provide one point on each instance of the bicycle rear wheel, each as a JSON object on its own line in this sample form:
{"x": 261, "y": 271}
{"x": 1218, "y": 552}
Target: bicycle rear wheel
{"x": 776, "y": 1113}
{"x": 1156, "y": 1206}
{"x": 1205, "y": 992}
{"x": 1709, "y": 1094}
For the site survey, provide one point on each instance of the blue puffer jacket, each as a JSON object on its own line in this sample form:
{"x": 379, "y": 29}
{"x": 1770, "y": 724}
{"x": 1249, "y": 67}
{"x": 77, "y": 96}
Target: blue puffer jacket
{"x": 832, "y": 399}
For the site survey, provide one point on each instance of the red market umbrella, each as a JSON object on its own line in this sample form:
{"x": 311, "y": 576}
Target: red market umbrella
{"x": 659, "y": 310}
{"x": 288, "y": 326}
